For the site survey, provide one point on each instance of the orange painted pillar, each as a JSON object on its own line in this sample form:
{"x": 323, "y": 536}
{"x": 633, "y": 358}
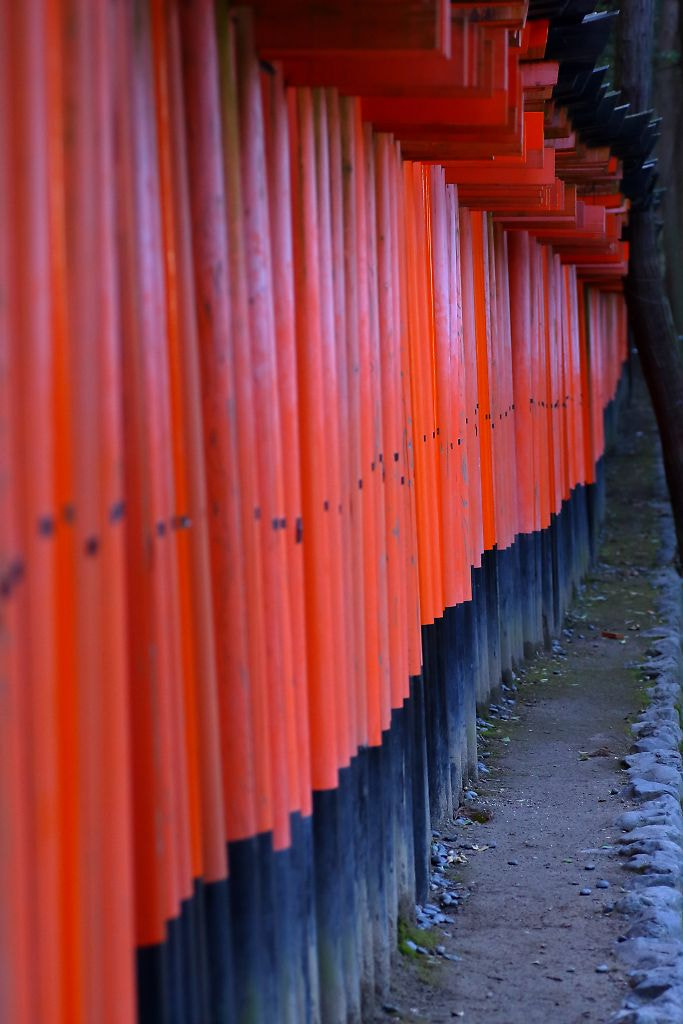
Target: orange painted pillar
{"x": 414, "y": 609}
{"x": 100, "y": 982}
{"x": 343, "y": 427}
{"x": 32, "y": 371}
{"x": 377, "y": 440}
{"x": 496, "y": 370}
{"x": 482, "y": 320}
{"x": 458, "y": 443}
{"x": 374, "y": 636}
{"x": 472, "y": 427}
{"x": 202, "y": 718}
{"x": 159, "y": 769}
{"x": 318, "y": 562}
{"x": 452, "y": 546}
{"x": 333, "y": 505}
{"x": 230, "y": 540}
{"x": 350, "y": 133}
{"x": 521, "y": 335}
{"x": 419, "y": 435}
{"x": 268, "y": 452}
{"x": 506, "y": 412}
{"x": 392, "y": 465}
{"x": 25, "y": 984}
{"x": 280, "y": 207}
{"x": 244, "y": 426}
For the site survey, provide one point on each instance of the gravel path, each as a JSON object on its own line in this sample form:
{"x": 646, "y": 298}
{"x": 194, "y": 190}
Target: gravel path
{"x": 535, "y": 894}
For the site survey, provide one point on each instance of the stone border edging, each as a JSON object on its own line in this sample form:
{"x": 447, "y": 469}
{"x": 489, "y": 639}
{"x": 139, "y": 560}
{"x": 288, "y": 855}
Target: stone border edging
{"x": 651, "y": 846}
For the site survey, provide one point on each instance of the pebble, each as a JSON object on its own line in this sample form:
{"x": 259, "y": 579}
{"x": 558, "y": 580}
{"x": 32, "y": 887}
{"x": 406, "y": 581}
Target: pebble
{"x": 585, "y": 892}
{"x": 602, "y": 969}
{"x": 589, "y": 867}
{"x": 451, "y": 956}
{"x": 513, "y": 863}
{"x": 440, "y": 950}
{"x": 409, "y": 944}
{"x": 602, "y": 884}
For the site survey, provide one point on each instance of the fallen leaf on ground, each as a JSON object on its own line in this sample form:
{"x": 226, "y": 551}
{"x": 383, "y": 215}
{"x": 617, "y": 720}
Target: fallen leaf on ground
{"x": 609, "y": 635}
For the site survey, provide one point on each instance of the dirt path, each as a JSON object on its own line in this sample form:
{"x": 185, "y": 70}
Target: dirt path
{"x": 528, "y": 941}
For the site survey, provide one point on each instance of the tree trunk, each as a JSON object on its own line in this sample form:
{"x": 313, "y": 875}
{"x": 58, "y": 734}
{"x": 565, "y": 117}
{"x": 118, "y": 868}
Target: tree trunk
{"x": 660, "y": 354}
{"x": 668, "y": 97}
{"x": 634, "y": 52}
{"x": 649, "y": 310}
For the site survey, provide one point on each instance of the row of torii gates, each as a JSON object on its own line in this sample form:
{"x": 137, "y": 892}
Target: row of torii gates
{"x": 311, "y": 329}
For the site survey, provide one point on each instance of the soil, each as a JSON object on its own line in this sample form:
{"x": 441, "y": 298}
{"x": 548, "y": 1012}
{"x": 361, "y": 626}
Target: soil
{"x": 528, "y": 942}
